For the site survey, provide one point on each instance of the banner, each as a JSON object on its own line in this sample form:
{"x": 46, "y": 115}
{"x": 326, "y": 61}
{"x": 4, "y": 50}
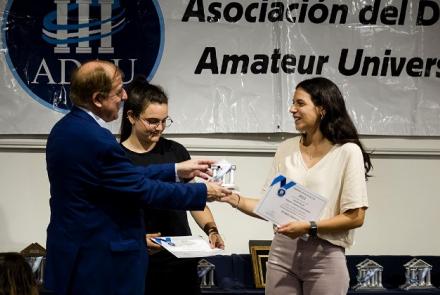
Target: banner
{"x": 228, "y": 66}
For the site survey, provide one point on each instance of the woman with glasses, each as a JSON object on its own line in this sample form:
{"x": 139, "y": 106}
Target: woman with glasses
{"x": 144, "y": 119}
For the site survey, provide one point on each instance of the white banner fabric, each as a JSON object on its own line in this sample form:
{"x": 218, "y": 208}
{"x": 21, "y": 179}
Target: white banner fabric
{"x": 232, "y": 66}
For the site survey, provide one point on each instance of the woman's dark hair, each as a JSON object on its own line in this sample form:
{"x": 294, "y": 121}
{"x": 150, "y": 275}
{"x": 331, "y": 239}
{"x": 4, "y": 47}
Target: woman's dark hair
{"x": 336, "y": 124}
{"x": 16, "y": 276}
{"x": 140, "y": 94}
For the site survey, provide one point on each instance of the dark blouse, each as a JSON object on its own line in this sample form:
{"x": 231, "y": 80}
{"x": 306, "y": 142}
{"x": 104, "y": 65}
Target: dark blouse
{"x": 166, "y": 273}
{"x": 167, "y": 222}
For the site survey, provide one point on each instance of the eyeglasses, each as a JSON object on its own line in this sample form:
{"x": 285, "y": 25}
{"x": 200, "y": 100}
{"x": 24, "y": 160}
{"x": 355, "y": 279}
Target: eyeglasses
{"x": 153, "y": 122}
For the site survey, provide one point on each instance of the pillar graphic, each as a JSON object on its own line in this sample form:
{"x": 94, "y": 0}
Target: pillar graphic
{"x": 83, "y": 18}
{"x": 106, "y": 28}
{"x": 84, "y": 30}
{"x": 62, "y": 20}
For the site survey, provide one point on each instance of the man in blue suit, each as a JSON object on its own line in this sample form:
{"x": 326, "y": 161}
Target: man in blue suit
{"x": 95, "y": 238}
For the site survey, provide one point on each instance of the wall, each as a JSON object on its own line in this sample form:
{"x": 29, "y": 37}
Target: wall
{"x": 403, "y": 194}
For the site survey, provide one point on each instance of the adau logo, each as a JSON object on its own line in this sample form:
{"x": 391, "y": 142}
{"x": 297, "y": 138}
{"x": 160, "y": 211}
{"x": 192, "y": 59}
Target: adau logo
{"x": 46, "y": 41}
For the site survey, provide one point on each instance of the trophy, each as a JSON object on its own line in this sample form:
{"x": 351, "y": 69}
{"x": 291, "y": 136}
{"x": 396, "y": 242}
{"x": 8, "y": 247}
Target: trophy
{"x": 35, "y": 256}
{"x": 418, "y": 275}
{"x": 205, "y": 270}
{"x": 369, "y": 276}
{"x": 223, "y": 173}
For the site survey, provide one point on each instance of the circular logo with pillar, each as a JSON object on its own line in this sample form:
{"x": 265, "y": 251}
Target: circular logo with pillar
{"x": 46, "y": 40}
{"x": 281, "y": 192}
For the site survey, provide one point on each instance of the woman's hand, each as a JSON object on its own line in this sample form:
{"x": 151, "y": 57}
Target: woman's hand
{"x": 233, "y": 199}
{"x": 152, "y": 247}
{"x": 294, "y": 229}
{"x": 215, "y": 240}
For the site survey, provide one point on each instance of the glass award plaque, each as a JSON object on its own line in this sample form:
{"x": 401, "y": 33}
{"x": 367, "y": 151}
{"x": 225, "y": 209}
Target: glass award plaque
{"x": 205, "y": 270}
{"x": 369, "y": 277}
{"x": 418, "y": 275}
{"x": 35, "y": 255}
{"x": 223, "y": 172}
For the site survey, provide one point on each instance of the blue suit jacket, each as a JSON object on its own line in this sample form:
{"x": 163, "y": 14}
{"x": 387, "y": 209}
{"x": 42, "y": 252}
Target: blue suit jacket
{"x": 95, "y": 238}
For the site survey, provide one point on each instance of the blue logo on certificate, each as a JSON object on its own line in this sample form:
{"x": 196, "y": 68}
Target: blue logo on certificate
{"x": 284, "y": 185}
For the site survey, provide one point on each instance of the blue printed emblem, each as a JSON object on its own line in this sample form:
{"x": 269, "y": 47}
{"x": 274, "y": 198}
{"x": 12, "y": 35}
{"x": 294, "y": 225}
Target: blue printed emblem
{"x": 284, "y": 185}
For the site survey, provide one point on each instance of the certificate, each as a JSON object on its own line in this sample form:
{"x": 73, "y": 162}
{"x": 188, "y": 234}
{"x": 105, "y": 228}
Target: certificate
{"x": 286, "y": 201}
{"x": 187, "y": 246}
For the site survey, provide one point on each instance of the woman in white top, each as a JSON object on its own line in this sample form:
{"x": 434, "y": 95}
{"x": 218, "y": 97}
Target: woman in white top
{"x": 328, "y": 159}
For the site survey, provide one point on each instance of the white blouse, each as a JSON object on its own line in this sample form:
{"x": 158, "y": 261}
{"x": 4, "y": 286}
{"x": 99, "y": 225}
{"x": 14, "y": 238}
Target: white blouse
{"x": 339, "y": 176}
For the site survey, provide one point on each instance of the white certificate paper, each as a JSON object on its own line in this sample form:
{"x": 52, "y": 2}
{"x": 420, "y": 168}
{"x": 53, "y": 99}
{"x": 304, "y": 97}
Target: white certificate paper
{"x": 187, "y": 246}
{"x": 286, "y": 201}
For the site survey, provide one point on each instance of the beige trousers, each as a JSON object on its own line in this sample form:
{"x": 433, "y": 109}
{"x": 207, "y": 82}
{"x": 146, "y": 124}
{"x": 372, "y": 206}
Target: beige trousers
{"x": 312, "y": 267}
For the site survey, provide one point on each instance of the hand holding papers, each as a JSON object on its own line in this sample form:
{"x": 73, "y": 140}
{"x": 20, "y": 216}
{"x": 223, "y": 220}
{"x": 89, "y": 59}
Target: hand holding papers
{"x": 287, "y": 201}
{"x": 187, "y": 246}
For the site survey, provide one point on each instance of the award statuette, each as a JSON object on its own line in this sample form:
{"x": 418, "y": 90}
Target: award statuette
{"x": 418, "y": 275}
{"x": 205, "y": 270}
{"x": 223, "y": 173}
{"x": 369, "y": 276}
{"x": 35, "y": 255}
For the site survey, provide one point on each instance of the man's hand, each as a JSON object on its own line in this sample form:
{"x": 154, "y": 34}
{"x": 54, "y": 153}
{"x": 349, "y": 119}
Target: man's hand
{"x": 195, "y": 167}
{"x": 216, "y": 191}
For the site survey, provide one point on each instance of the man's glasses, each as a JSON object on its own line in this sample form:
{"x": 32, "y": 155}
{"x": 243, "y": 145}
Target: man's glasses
{"x": 153, "y": 122}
